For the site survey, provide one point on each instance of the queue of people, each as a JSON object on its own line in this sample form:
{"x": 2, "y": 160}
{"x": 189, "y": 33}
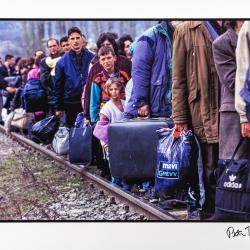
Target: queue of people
{"x": 194, "y": 72}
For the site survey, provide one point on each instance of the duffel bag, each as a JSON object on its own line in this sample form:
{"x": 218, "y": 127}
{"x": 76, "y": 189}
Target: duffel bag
{"x": 232, "y": 198}
{"x": 60, "y": 143}
{"x": 44, "y": 130}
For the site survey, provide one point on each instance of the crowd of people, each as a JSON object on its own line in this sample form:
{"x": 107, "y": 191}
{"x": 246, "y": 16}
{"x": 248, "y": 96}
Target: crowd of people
{"x": 195, "y": 72}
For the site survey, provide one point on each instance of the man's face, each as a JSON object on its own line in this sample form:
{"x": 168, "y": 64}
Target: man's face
{"x": 108, "y": 62}
{"x": 65, "y": 46}
{"x": 11, "y": 61}
{"x": 76, "y": 42}
{"x": 53, "y": 47}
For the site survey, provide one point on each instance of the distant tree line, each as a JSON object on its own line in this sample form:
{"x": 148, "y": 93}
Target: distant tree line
{"x": 35, "y": 33}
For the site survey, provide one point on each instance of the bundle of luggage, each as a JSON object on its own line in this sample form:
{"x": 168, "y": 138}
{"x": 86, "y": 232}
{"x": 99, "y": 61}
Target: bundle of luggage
{"x": 75, "y": 141}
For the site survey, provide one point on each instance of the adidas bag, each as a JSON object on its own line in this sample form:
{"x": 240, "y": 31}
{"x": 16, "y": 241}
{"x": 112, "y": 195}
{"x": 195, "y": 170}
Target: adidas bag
{"x": 232, "y": 199}
{"x": 34, "y": 96}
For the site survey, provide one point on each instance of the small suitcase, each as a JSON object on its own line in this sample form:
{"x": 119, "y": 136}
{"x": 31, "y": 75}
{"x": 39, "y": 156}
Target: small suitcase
{"x": 80, "y": 145}
{"x": 133, "y": 147}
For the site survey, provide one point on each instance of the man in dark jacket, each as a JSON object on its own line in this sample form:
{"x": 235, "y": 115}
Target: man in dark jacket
{"x": 152, "y": 73}
{"x": 71, "y": 75}
{"x": 225, "y": 61}
{"x": 6, "y": 69}
{"x": 47, "y": 70}
{"x": 64, "y": 44}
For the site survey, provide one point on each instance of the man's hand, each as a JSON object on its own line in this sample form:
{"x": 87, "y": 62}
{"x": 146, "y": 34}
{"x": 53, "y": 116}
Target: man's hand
{"x": 11, "y": 90}
{"x": 87, "y": 122}
{"x": 245, "y": 129}
{"x": 59, "y": 113}
{"x": 181, "y": 126}
{"x": 143, "y": 111}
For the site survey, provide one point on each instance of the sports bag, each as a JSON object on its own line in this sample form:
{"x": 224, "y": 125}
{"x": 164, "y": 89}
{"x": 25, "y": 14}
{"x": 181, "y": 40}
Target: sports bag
{"x": 34, "y": 96}
{"x": 232, "y": 198}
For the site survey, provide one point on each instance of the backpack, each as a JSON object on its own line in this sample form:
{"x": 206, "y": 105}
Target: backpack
{"x": 232, "y": 198}
{"x": 34, "y": 96}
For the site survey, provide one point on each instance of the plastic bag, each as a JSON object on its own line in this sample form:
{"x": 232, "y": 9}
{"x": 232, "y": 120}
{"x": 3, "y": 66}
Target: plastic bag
{"x": 173, "y": 159}
{"x": 45, "y": 129}
{"x": 7, "y": 121}
{"x": 60, "y": 143}
{"x": 4, "y": 114}
{"x": 179, "y": 172}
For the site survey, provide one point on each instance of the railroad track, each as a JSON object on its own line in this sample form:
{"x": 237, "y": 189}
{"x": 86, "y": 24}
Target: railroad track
{"x": 134, "y": 203}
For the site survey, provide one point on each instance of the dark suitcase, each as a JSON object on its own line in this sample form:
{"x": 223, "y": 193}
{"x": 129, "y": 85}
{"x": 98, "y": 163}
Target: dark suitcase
{"x": 133, "y": 147}
{"x": 80, "y": 145}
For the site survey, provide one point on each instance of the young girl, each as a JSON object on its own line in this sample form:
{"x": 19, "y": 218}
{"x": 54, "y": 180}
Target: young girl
{"x": 112, "y": 111}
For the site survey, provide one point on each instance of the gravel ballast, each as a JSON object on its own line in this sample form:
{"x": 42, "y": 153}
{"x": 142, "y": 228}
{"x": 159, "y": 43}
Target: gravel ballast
{"x": 33, "y": 187}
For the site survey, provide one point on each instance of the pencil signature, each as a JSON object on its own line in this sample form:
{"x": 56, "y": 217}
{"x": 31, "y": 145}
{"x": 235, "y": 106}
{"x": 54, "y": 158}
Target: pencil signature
{"x": 232, "y": 232}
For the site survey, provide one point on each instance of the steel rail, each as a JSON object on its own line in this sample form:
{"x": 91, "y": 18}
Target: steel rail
{"x": 135, "y": 204}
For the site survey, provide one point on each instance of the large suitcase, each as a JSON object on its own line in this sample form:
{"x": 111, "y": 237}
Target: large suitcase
{"x": 133, "y": 147}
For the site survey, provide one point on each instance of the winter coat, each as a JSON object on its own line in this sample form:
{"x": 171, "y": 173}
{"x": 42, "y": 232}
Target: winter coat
{"x": 122, "y": 64}
{"x": 4, "y": 73}
{"x": 70, "y": 78}
{"x": 195, "y": 81}
{"x": 242, "y": 61}
{"x": 152, "y": 72}
{"x": 225, "y": 61}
